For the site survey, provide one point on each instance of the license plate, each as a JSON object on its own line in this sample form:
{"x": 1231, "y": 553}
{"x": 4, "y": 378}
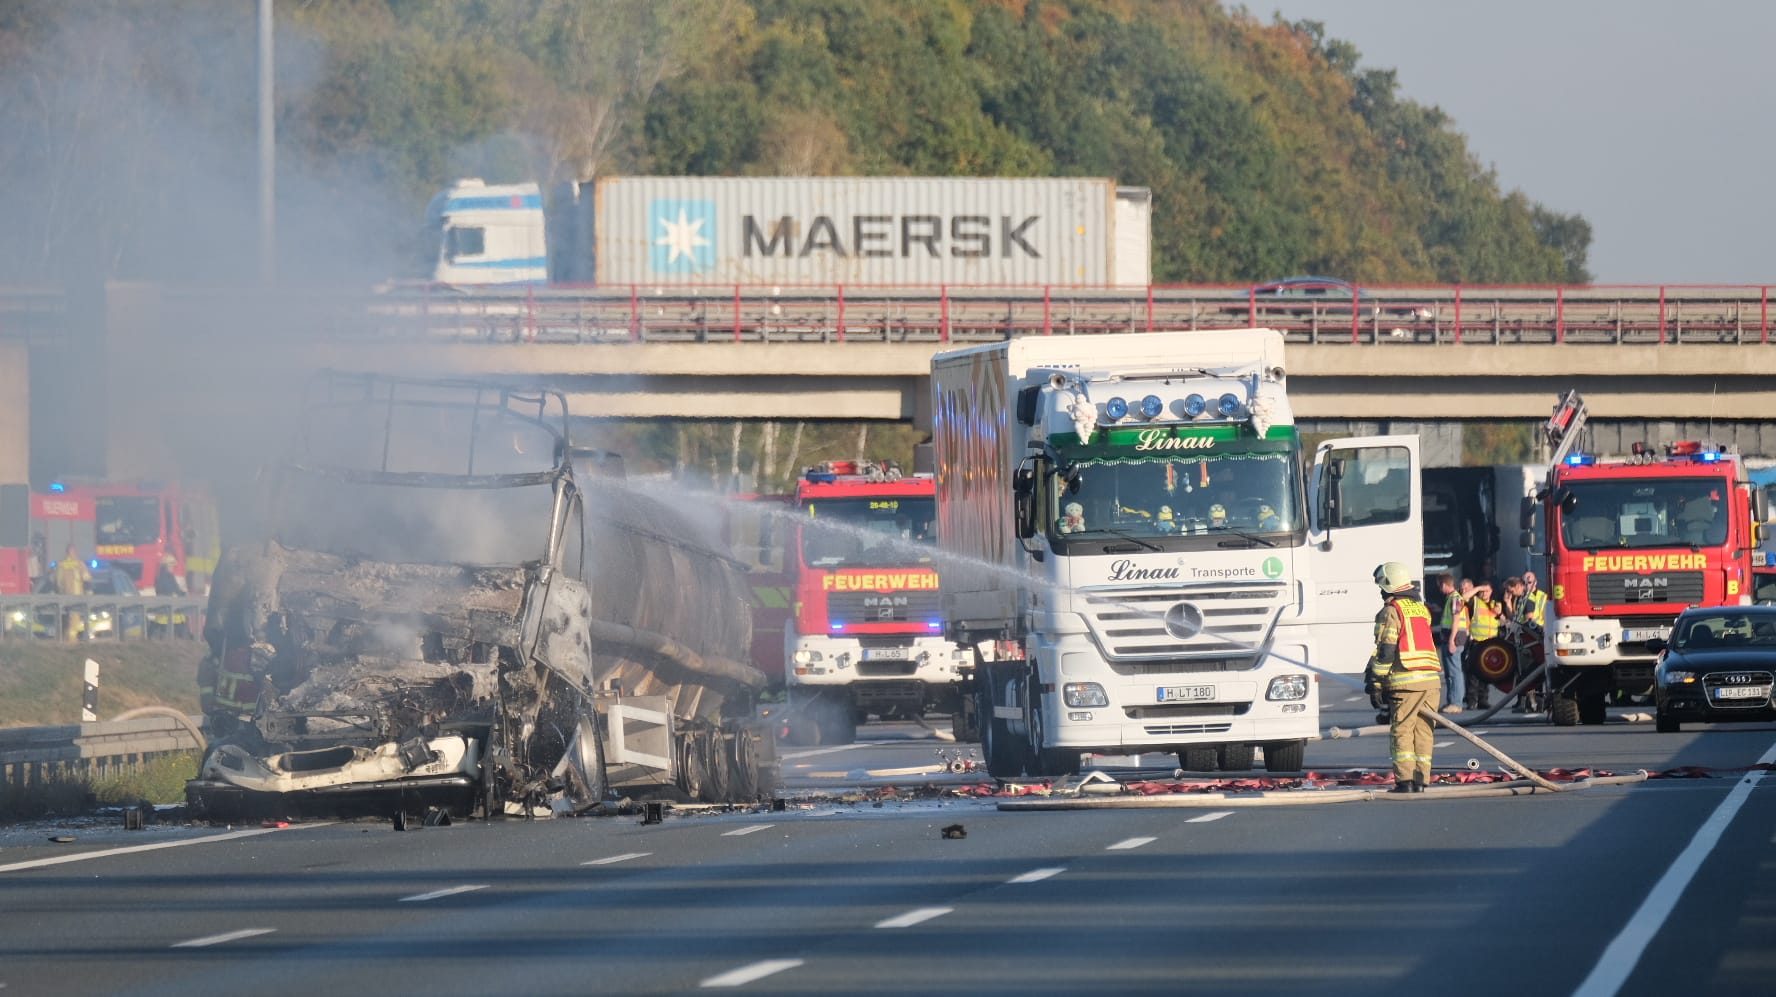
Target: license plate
{"x": 1650, "y": 633}
{"x": 1743, "y": 692}
{"x": 1185, "y": 693}
{"x": 887, "y": 653}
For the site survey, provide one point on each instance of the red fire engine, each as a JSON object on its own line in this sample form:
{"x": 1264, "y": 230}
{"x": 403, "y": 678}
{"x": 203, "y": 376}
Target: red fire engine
{"x": 1631, "y": 543}
{"x": 132, "y": 527}
{"x": 865, "y": 635}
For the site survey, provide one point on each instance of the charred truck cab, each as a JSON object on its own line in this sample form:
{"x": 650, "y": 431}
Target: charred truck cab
{"x": 420, "y": 626}
{"x": 1135, "y": 516}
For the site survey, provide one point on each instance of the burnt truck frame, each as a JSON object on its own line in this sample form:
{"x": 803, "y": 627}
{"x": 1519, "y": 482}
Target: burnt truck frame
{"x": 402, "y": 658}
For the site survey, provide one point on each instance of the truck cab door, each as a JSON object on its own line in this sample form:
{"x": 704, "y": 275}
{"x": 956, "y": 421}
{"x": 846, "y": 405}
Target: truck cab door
{"x": 1365, "y": 507}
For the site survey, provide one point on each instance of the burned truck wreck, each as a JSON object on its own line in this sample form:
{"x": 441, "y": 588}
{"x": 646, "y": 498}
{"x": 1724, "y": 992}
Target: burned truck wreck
{"x": 426, "y": 621}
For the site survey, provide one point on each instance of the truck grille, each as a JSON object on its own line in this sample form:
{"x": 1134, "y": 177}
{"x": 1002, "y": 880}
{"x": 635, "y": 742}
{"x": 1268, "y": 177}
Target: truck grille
{"x": 1619, "y": 587}
{"x": 882, "y": 607}
{"x": 1129, "y": 624}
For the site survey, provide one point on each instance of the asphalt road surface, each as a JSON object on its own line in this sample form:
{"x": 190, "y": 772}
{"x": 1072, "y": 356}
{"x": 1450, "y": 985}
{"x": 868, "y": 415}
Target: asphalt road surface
{"x": 1663, "y": 887}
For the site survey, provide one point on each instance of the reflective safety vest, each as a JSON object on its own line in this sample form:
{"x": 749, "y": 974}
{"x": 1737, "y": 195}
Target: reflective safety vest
{"x": 1455, "y": 613}
{"x": 1535, "y": 608}
{"x": 237, "y": 688}
{"x": 1404, "y": 625}
{"x": 1483, "y": 622}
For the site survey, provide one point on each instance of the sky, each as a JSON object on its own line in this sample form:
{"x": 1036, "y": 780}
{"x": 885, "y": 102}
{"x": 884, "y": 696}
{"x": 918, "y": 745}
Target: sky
{"x": 1650, "y": 118}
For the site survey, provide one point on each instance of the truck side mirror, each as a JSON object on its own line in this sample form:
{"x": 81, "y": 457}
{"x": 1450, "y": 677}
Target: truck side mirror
{"x": 1023, "y": 490}
{"x": 1026, "y": 404}
{"x": 1526, "y": 539}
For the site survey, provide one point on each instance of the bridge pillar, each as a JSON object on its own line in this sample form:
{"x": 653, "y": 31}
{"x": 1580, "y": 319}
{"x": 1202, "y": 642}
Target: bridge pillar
{"x": 15, "y": 412}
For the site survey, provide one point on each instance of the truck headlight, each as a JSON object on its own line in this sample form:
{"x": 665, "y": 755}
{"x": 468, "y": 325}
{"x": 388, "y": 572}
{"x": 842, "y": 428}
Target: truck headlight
{"x": 1084, "y": 694}
{"x": 1568, "y": 637}
{"x": 1287, "y": 687}
{"x": 806, "y": 657}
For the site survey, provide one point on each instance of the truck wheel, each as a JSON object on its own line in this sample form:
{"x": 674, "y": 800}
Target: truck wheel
{"x": 1003, "y": 752}
{"x": 1564, "y": 709}
{"x": 1202, "y": 758}
{"x": 1046, "y": 760}
{"x": 719, "y": 787}
{"x": 1234, "y": 757}
{"x": 1593, "y": 707}
{"x": 1664, "y": 724}
{"x": 743, "y": 757}
{"x": 586, "y": 783}
{"x": 1285, "y": 756}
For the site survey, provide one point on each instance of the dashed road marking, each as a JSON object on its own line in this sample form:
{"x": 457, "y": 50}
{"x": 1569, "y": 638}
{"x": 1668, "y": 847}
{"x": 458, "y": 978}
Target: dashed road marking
{"x": 1037, "y": 875}
{"x": 1123, "y": 846}
{"x": 131, "y": 849}
{"x": 917, "y": 915}
{"x": 753, "y": 971}
{"x": 1205, "y": 818}
{"x": 737, "y": 832}
{"x": 614, "y": 859}
{"x": 227, "y": 936}
{"x": 439, "y": 894}
{"x": 1442, "y": 744}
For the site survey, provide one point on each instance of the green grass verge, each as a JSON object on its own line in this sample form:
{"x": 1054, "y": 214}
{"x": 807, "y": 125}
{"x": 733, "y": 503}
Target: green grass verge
{"x": 159, "y": 780}
{"x": 40, "y": 683}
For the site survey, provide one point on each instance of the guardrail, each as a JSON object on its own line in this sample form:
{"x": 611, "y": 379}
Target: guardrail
{"x": 101, "y": 617}
{"x": 33, "y": 755}
{"x": 681, "y": 313}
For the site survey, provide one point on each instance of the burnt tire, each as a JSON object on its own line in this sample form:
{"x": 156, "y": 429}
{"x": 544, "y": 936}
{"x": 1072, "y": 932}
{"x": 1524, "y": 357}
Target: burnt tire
{"x": 1666, "y": 725}
{"x": 1563, "y": 709}
{"x": 719, "y": 786}
{"x": 1202, "y": 758}
{"x": 743, "y": 758}
{"x": 1236, "y": 757}
{"x": 1285, "y": 756}
{"x": 586, "y": 782}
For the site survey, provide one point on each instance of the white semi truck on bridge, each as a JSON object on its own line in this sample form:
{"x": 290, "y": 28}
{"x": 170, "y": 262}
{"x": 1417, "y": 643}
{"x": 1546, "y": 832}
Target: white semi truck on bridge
{"x": 1135, "y": 520}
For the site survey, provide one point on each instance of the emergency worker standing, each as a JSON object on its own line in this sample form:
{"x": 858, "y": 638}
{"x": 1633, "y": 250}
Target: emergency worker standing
{"x": 71, "y": 577}
{"x": 1452, "y": 634}
{"x": 1404, "y": 673}
{"x": 1483, "y": 625}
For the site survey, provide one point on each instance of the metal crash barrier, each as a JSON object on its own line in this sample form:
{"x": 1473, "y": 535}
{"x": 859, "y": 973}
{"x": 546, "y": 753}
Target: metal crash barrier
{"x": 101, "y": 617}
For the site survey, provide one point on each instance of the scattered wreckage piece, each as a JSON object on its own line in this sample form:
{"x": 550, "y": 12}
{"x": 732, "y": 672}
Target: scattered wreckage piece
{"x": 439, "y": 620}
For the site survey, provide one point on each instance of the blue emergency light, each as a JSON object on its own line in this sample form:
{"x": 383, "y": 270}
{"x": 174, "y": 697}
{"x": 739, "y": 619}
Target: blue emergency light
{"x": 1580, "y": 459}
{"x": 57, "y": 486}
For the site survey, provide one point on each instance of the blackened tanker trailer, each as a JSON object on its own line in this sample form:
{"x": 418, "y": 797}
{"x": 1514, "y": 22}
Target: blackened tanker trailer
{"x": 437, "y": 616}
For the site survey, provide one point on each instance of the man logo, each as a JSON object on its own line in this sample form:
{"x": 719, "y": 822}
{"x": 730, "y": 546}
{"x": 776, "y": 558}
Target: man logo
{"x": 681, "y": 236}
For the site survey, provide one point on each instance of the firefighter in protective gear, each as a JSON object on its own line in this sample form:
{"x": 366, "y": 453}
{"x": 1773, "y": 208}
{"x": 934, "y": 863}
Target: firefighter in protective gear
{"x": 1405, "y": 673}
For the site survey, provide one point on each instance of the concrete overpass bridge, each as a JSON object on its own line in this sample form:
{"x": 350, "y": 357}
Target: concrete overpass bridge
{"x": 1654, "y": 363}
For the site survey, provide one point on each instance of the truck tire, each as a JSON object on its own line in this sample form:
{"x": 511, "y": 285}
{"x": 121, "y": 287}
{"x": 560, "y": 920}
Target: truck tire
{"x": 1564, "y": 709}
{"x": 1285, "y": 756}
{"x": 1593, "y": 707}
{"x": 1003, "y": 752}
{"x": 1664, "y": 724}
{"x": 1199, "y": 758}
{"x": 1045, "y": 760}
{"x": 1234, "y": 757}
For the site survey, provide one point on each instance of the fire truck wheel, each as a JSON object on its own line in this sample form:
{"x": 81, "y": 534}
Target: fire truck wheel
{"x": 1234, "y": 757}
{"x": 1199, "y": 759}
{"x": 1593, "y": 708}
{"x": 1285, "y": 756}
{"x": 1564, "y": 709}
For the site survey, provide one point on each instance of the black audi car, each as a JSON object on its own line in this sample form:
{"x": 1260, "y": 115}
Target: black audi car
{"x": 1718, "y": 666}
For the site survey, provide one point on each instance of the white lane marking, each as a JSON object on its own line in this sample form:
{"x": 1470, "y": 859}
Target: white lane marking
{"x": 1123, "y": 846}
{"x": 792, "y": 756}
{"x": 914, "y": 916}
{"x": 1205, "y": 818}
{"x": 102, "y": 853}
{"x": 1037, "y": 875}
{"x": 613, "y": 859}
{"x": 738, "y": 831}
{"x": 746, "y": 974}
{"x": 437, "y": 894}
{"x": 1442, "y": 744}
{"x": 227, "y": 936}
{"x": 1623, "y": 954}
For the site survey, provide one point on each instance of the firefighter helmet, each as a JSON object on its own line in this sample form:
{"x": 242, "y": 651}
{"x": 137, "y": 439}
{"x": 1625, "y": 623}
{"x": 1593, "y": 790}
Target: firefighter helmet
{"x": 1393, "y": 576}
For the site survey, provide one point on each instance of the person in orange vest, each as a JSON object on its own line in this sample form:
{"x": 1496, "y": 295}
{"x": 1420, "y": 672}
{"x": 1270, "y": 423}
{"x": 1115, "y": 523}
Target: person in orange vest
{"x": 1483, "y": 625}
{"x": 1404, "y": 673}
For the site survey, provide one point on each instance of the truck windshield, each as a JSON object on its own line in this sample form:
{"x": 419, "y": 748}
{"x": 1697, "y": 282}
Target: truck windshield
{"x": 1228, "y": 493}
{"x": 868, "y": 532}
{"x": 413, "y": 525}
{"x": 127, "y": 520}
{"x": 1670, "y": 512}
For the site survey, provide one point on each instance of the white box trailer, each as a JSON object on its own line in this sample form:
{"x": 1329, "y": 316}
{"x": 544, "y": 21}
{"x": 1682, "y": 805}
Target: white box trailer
{"x": 1134, "y": 519}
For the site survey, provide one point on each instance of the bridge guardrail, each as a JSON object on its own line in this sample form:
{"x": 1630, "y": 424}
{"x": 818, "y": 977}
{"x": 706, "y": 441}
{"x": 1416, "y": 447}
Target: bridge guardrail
{"x": 31, "y": 755}
{"x": 1592, "y": 315}
{"x": 101, "y": 617}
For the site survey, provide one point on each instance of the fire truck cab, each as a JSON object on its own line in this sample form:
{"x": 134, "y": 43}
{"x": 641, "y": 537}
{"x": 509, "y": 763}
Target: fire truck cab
{"x": 1631, "y": 542}
{"x": 865, "y": 635}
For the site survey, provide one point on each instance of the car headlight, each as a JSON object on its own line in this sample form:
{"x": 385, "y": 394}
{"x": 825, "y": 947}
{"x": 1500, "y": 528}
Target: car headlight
{"x": 1084, "y": 694}
{"x": 18, "y": 616}
{"x": 1287, "y": 687}
{"x": 1676, "y": 676}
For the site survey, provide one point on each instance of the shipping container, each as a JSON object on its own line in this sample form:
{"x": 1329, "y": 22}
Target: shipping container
{"x": 792, "y": 231}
